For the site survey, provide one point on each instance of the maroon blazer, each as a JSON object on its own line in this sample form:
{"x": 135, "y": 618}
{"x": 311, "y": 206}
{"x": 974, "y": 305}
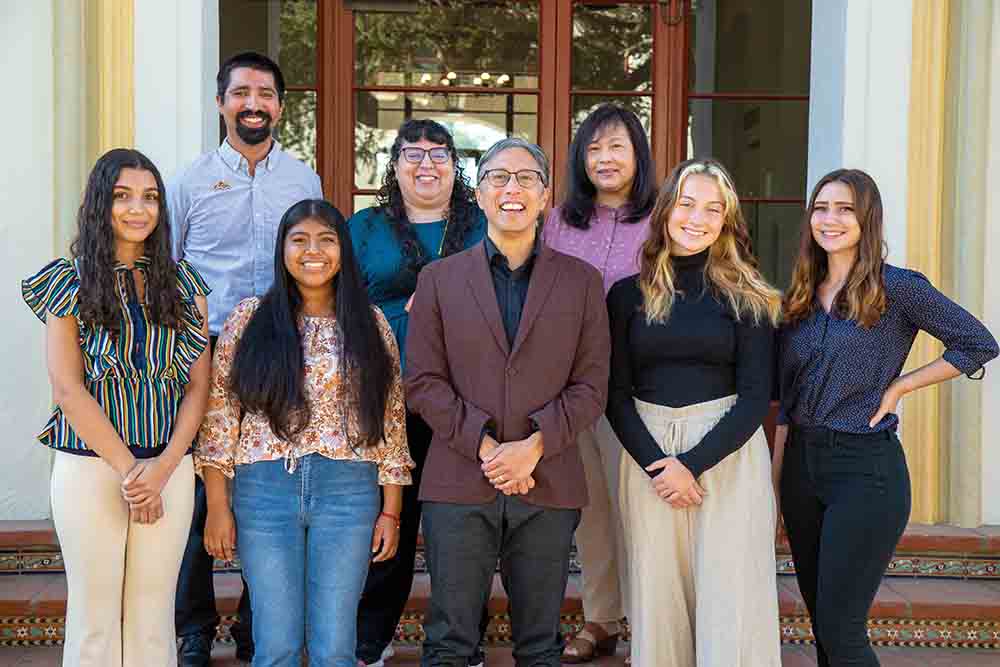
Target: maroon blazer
{"x": 461, "y": 372}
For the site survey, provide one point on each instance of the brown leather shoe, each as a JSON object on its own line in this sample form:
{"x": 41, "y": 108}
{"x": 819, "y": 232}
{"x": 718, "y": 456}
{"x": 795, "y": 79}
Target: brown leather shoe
{"x": 590, "y": 642}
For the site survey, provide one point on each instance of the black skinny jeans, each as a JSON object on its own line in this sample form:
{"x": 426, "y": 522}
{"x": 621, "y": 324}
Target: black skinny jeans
{"x": 846, "y": 501}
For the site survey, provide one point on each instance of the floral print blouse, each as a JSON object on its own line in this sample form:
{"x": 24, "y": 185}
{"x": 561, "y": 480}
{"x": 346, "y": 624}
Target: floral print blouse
{"x": 229, "y": 437}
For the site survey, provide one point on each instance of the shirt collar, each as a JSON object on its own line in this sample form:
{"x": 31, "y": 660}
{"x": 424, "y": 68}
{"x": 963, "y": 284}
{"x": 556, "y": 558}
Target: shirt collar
{"x": 142, "y": 263}
{"x": 495, "y": 257}
{"x": 235, "y": 160}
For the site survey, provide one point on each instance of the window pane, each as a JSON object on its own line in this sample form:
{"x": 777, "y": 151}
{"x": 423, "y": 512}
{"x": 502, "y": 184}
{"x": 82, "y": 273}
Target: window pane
{"x": 642, "y": 106}
{"x": 297, "y": 47}
{"x": 283, "y": 29}
{"x": 612, "y": 47}
{"x": 447, "y": 42}
{"x": 763, "y": 144}
{"x": 363, "y": 201}
{"x": 476, "y": 122}
{"x": 297, "y": 128}
{"x": 743, "y": 46}
{"x": 775, "y": 229}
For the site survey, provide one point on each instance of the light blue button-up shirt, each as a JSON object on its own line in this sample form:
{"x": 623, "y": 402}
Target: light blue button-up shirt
{"x": 225, "y": 221}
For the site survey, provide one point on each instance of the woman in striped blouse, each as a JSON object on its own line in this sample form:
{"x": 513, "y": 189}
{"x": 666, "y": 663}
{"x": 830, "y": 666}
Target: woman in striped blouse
{"x": 125, "y": 340}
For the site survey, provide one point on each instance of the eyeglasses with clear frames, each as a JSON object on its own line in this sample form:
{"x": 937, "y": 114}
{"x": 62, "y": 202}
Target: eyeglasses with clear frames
{"x": 415, "y": 154}
{"x": 526, "y": 178}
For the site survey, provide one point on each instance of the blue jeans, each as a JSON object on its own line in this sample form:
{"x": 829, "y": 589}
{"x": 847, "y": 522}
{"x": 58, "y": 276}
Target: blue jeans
{"x": 304, "y": 539}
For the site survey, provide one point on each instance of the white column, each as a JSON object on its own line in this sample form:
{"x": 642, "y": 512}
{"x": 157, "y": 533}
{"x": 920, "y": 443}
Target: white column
{"x": 176, "y": 60}
{"x": 859, "y": 99}
{"x": 989, "y": 451}
{"x": 28, "y": 231}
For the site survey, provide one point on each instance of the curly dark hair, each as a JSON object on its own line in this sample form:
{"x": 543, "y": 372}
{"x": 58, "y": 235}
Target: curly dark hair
{"x": 462, "y": 208}
{"x": 94, "y": 249}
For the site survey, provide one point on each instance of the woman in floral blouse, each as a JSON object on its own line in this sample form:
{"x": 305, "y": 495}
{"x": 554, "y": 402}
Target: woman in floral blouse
{"x": 306, "y": 415}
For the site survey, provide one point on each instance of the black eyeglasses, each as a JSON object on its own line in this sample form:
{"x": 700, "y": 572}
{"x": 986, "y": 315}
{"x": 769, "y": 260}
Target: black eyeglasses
{"x": 415, "y": 154}
{"x": 526, "y": 178}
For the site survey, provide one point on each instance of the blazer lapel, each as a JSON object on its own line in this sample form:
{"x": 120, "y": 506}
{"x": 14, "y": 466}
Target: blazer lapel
{"x": 543, "y": 279}
{"x": 485, "y": 295}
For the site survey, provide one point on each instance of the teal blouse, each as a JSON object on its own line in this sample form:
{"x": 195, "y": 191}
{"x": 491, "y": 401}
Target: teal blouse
{"x": 137, "y": 378}
{"x": 381, "y": 258}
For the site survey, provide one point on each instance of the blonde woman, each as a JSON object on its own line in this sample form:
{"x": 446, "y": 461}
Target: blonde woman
{"x": 691, "y": 368}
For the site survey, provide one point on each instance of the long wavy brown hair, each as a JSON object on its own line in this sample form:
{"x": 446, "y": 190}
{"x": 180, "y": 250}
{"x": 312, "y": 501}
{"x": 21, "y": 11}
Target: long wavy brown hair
{"x": 94, "y": 249}
{"x": 731, "y": 272}
{"x": 862, "y": 298}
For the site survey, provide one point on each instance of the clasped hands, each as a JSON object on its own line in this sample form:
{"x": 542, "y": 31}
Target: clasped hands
{"x": 141, "y": 487}
{"x": 675, "y": 484}
{"x": 508, "y": 466}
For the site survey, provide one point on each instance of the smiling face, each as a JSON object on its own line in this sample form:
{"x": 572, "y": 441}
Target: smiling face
{"x": 312, "y": 254}
{"x": 427, "y": 184}
{"x": 611, "y": 162}
{"x": 834, "y": 225}
{"x": 250, "y": 106}
{"x": 512, "y": 209}
{"x": 135, "y": 208}
{"x": 697, "y": 217}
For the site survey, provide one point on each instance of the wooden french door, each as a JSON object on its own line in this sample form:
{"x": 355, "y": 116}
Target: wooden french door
{"x": 488, "y": 69}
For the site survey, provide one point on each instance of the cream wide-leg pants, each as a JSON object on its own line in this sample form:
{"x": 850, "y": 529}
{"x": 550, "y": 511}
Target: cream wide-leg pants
{"x": 121, "y": 575}
{"x": 702, "y": 579}
{"x": 599, "y": 536}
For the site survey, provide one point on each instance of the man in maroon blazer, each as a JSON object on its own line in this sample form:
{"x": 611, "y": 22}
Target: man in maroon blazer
{"x": 507, "y": 361}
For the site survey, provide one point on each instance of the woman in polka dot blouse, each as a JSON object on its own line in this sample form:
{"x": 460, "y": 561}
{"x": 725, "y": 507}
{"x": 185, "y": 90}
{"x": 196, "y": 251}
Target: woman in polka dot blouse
{"x": 850, "y": 320}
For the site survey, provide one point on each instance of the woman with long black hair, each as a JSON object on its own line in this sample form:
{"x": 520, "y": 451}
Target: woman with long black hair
{"x": 603, "y": 221}
{"x": 306, "y": 415}
{"x": 849, "y": 322}
{"x": 125, "y": 339}
{"x": 425, "y": 210}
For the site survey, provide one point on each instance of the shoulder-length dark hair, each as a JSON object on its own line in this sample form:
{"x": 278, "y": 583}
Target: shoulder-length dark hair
{"x": 863, "y": 297}
{"x": 94, "y": 248}
{"x": 268, "y": 373}
{"x": 581, "y": 194}
{"x": 462, "y": 208}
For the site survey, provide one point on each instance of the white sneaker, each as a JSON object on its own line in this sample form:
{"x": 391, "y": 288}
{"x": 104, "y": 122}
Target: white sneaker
{"x": 387, "y": 652}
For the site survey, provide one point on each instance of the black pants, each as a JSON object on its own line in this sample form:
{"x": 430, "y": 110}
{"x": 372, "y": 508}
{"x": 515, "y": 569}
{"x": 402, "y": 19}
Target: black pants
{"x": 389, "y": 582}
{"x": 195, "y": 605}
{"x": 463, "y": 545}
{"x": 388, "y": 585}
{"x": 194, "y": 609}
{"x": 846, "y": 501}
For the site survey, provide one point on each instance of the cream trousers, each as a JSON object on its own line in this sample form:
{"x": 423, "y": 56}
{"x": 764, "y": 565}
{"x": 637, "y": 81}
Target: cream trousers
{"x": 598, "y": 537}
{"x": 703, "y": 590}
{"x": 121, "y": 576}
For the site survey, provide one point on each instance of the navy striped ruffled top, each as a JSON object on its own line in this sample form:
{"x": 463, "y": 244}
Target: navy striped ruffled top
{"x": 138, "y": 378}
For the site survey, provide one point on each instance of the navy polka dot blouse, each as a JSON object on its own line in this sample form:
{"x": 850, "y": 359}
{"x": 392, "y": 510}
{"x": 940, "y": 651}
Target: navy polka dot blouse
{"x": 833, "y": 372}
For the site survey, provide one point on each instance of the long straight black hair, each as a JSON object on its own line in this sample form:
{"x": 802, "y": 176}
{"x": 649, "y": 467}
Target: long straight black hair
{"x": 268, "y": 374}
{"x": 581, "y": 195}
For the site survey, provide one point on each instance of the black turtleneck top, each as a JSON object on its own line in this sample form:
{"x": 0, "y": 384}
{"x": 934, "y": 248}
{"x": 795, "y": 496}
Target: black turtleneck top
{"x": 701, "y": 353}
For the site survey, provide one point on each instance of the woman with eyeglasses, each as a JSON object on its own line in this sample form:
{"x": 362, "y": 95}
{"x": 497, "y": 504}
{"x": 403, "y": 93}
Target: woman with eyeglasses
{"x": 603, "y": 221}
{"x": 424, "y": 210}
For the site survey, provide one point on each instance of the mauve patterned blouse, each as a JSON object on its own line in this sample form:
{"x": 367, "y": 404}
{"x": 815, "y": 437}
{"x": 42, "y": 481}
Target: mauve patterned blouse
{"x": 229, "y": 438}
{"x": 610, "y": 246}
{"x": 833, "y": 372}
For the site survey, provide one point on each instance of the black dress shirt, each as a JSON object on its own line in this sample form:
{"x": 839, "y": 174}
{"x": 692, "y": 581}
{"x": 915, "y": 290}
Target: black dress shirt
{"x": 833, "y": 372}
{"x": 511, "y": 286}
{"x": 701, "y": 353}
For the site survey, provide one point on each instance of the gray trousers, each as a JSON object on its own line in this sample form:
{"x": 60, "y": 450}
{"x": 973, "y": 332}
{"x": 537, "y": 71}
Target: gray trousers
{"x": 463, "y": 544}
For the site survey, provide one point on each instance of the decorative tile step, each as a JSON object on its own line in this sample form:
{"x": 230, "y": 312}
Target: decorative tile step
{"x": 907, "y": 612}
{"x": 409, "y": 656}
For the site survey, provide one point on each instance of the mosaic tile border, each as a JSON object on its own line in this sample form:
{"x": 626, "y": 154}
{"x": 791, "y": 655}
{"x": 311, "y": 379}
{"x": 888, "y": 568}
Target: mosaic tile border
{"x": 50, "y": 631}
{"x": 903, "y": 565}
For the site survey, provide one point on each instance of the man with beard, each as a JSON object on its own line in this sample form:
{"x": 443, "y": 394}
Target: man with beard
{"x": 224, "y": 215}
